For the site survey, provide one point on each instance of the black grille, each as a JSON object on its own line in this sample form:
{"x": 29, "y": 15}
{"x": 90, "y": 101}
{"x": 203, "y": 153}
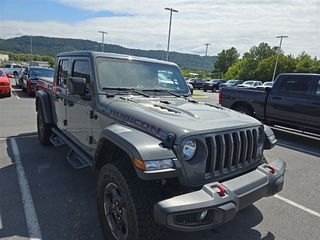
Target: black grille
{"x": 230, "y": 151}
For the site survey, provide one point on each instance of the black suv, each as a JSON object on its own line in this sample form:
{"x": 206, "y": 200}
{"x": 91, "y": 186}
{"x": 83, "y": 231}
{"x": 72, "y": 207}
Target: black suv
{"x": 212, "y": 85}
{"x": 196, "y": 82}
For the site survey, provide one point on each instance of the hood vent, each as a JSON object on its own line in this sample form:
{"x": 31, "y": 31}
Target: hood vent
{"x": 161, "y": 108}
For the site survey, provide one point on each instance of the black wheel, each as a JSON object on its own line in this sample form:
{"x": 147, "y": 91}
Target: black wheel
{"x": 125, "y": 203}
{"x": 204, "y": 89}
{"x": 245, "y": 110}
{"x": 44, "y": 129}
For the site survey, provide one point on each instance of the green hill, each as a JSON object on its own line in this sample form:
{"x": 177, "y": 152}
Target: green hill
{"x": 50, "y": 46}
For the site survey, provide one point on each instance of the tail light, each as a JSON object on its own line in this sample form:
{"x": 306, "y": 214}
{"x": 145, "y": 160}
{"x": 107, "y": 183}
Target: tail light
{"x": 220, "y": 96}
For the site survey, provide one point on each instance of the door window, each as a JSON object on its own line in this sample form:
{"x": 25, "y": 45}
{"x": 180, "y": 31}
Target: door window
{"x": 318, "y": 88}
{"x": 295, "y": 85}
{"x": 63, "y": 73}
{"x": 81, "y": 69}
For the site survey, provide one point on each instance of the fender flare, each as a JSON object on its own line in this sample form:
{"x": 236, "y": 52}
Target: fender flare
{"x": 138, "y": 144}
{"x": 43, "y": 98}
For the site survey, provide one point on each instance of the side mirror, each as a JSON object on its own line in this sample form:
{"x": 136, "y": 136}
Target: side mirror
{"x": 76, "y": 85}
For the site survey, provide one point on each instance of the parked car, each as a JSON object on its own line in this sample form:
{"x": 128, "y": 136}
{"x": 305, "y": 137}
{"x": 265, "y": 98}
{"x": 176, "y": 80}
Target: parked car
{"x": 196, "y": 82}
{"x": 266, "y": 85}
{"x": 212, "y": 85}
{"x": 5, "y": 86}
{"x": 231, "y": 83}
{"x": 250, "y": 83}
{"x": 11, "y": 69}
{"x": 31, "y": 76}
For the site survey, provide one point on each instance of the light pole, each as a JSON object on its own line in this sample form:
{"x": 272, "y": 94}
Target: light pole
{"x": 205, "y": 56}
{"x": 103, "y": 33}
{"x": 171, "y": 10}
{"x": 275, "y": 67}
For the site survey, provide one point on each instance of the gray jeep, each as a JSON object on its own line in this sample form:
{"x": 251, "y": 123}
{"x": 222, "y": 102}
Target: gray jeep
{"x": 164, "y": 159}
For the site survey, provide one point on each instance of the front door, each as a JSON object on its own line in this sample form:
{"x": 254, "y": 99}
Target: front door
{"x": 313, "y": 110}
{"x": 79, "y": 108}
{"x": 60, "y": 93}
{"x": 290, "y": 101}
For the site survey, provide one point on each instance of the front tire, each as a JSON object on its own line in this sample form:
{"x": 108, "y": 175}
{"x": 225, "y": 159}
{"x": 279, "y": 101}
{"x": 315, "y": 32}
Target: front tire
{"x": 125, "y": 203}
{"x": 44, "y": 129}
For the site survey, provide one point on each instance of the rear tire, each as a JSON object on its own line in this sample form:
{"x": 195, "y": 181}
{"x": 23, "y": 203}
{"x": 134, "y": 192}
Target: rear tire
{"x": 125, "y": 203}
{"x": 245, "y": 110}
{"x": 44, "y": 129}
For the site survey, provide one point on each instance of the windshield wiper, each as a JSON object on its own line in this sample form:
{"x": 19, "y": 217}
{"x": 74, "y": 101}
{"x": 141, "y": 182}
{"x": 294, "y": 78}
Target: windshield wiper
{"x": 166, "y": 91}
{"x": 126, "y": 90}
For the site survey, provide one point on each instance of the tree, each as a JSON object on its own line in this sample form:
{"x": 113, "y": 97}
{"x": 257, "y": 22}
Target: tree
{"x": 260, "y": 52}
{"x": 305, "y": 64}
{"x": 225, "y": 59}
{"x": 264, "y": 71}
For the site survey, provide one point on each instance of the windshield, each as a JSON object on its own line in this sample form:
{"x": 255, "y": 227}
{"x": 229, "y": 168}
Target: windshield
{"x": 268, "y": 83}
{"x": 138, "y": 75}
{"x": 42, "y": 72}
{"x": 232, "y": 81}
{"x": 248, "y": 82}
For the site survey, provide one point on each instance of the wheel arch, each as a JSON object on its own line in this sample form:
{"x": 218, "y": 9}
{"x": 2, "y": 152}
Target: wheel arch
{"x": 243, "y": 104}
{"x": 43, "y": 99}
{"x": 118, "y": 141}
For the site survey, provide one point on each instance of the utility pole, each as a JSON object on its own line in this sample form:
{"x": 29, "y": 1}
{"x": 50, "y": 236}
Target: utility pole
{"x": 205, "y": 56}
{"x": 103, "y": 33}
{"x": 279, "y": 49}
{"x": 31, "y": 47}
{"x": 171, "y": 10}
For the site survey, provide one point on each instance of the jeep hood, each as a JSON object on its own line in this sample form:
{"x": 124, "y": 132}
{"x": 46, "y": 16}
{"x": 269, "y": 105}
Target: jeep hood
{"x": 179, "y": 116}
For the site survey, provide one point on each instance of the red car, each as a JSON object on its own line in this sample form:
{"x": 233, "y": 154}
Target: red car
{"x": 5, "y": 86}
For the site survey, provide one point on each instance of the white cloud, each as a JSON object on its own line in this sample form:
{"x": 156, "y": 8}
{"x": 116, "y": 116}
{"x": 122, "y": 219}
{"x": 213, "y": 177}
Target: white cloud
{"x": 143, "y": 24}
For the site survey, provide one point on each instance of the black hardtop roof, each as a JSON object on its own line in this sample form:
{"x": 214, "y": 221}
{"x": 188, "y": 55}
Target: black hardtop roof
{"x": 113, "y": 55}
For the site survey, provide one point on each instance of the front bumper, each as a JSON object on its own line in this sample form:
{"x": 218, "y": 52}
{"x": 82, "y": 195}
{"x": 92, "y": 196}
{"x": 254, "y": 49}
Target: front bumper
{"x": 183, "y": 212}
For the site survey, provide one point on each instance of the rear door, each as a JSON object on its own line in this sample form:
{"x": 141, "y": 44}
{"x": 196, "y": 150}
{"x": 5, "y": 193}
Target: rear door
{"x": 313, "y": 110}
{"x": 289, "y": 103}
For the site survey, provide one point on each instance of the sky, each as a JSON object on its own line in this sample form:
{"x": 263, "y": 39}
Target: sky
{"x": 199, "y": 26}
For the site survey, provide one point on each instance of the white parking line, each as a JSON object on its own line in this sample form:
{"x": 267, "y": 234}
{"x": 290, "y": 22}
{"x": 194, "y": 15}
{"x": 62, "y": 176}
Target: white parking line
{"x": 29, "y": 210}
{"x": 14, "y": 93}
{"x": 298, "y": 205}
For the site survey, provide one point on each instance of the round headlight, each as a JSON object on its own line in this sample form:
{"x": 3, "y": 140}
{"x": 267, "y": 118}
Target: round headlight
{"x": 189, "y": 149}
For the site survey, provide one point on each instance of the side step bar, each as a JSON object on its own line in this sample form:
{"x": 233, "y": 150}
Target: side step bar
{"x": 76, "y": 161}
{"x": 76, "y": 156}
{"x": 56, "y": 140}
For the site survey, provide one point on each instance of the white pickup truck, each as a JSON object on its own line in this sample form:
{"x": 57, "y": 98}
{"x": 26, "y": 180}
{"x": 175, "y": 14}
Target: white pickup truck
{"x": 11, "y": 69}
